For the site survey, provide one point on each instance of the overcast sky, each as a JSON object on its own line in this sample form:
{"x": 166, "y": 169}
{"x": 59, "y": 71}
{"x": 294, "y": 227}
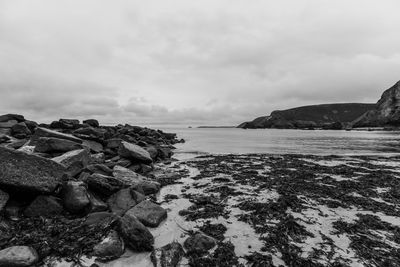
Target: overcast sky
{"x": 192, "y": 62}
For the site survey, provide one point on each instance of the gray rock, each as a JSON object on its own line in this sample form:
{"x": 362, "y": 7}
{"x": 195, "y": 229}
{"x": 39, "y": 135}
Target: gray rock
{"x": 123, "y": 200}
{"x": 152, "y": 151}
{"x": 105, "y": 185}
{"x": 96, "y": 204}
{"x": 135, "y": 234}
{"x": 134, "y": 179}
{"x": 8, "y": 124}
{"x": 52, "y": 144}
{"x": 199, "y": 243}
{"x": 99, "y": 168}
{"x": 92, "y": 122}
{"x": 75, "y": 161}
{"x": 134, "y": 152}
{"x": 29, "y": 172}
{"x": 18, "y": 256}
{"x": 75, "y": 197}
{"x": 148, "y": 213}
{"x": 113, "y": 143}
{"x": 4, "y": 197}
{"x": 20, "y": 130}
{"x": 112, "y": 247}
{"x": 45, "y": 206}
{"x": 93, "y": 146}
{"x": 9, "y": 117}
{"x": 43, "y": 132}
{"x": 167, "y": 256}
{"x": 90, "y": 133}
{"x": 97, "y": 158}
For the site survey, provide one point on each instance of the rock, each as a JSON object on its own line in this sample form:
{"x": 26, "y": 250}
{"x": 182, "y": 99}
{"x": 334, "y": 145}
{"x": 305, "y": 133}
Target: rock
{"x": 105, "y": 185}
{"x": 148, "y": 213}
{"x": 75, "y": 197}
{"x": 4, "y": 197}
{"x": 52, "y": 144}
{"x": 45, "y": 206}
{"x": 20, "y": 130}
{"x": 5, "y": 131}
{"x": 18, "y": 256}
{"x": 152, "y": 151}
{"x": 123, "y": 200}
{"x": 199, "y": 243}
{"x": 31, "y": 125}
{"x": 135, "y": 179}
{"x": 13, "y": 209}
{"x": 9, "y": 117}
{"x": 75, "y": 161}
{"x": 23, "y": 172}
{"x": 93, "y": 146}
{"x": 99, "y": 168}
{"x": 43, "y": 132}
{"x": 5, "y": 233}
{"x": 103, "y": 218}
{"x": 8, "y": 124}
{"x": 134, "y": 152}
{"x": 164, "y": 152}
{"x": 96, "y": 204}
{"x": 112, "y": 247}
{"x": 113, "y": 143}
{"x": 92, "y": 122}
{"x": 135, "y": 234}
{"x": 65, "y": 124}
{"x": 168, "y": 256}
{"x": 90, "y": 133}
{"x": 27, "y": 149}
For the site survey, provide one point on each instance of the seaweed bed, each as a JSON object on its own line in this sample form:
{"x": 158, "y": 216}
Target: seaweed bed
{"x": 303, "y": 208}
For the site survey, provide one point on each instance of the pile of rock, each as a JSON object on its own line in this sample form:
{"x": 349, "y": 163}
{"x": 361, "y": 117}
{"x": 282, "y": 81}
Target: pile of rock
{"x": 86, "y": 174}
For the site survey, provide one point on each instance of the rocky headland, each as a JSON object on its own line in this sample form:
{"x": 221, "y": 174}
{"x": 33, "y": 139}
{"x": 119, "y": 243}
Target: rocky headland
{"x": 384, "y": 114}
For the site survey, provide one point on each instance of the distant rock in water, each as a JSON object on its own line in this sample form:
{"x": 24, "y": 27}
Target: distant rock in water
{"x": 326, "y": 116}
{"x": 386, "y": 113}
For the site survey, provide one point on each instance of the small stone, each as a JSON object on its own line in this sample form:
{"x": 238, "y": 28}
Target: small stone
{"x": 75, "y": 161}
{"x": 123, "y": 200}
{"x": 18, "y": 256}
{"x": 75, "y": 197}
{"x": 148, "y": 213}
{"x": 168, "y": 256}
{"x": 134, "y": 152}
{"x": 105, "y": 185}
{"x": 92, "y": 122}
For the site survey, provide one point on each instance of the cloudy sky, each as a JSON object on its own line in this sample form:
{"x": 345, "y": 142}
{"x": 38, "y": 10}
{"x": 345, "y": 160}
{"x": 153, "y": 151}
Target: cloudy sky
{"x": 192, "y": 62}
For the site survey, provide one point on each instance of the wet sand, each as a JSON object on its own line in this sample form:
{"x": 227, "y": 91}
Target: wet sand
{"x": 289, "y": 210}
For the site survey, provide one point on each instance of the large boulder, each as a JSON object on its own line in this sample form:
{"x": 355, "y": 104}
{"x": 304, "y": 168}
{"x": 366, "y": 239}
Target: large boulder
{"x": 111, "y": 247}
{"x": 93, "y": 146}
{"x": 134, "y": 152}
{"x": 148, "y": 213}
{"x": 22, "y": 172}
{"x": 104, "y": 185}
{"x": 123, "y": 200}
{"x": 96, "y": 204}
{"x": 199, "y": 243}
{"x": 134, "y": 179}
{"x": 75, "y": 197}
{"x": 135, "y": 234}
{"x": 92, "y": 122}
{"x": 43, "y": 132}
{"x": 8, "y": 124}
{"x": 52, "y": 144}
{"x": 90, "y": 133}
{"x": 65, "y": 124}
{"x": 9, "y": 117}
{"x": 75, "y": 161}
{"x": 45, "y": 206}
{"x": 168, "y": 256}
{"x": 20, "y": 130}
{"x": 18, "y": 256}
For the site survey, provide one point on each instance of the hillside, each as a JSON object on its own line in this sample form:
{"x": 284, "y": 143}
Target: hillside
{"x": 329, "y": 116}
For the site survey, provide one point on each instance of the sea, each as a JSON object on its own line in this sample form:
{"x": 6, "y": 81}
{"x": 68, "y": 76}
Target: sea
{"x": 203, "y": 141}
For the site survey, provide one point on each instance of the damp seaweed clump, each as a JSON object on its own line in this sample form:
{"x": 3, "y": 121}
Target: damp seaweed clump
{"x": 58, "y": 236}
{"x": 216, "y": 231}
{"x": 223, "y": 256}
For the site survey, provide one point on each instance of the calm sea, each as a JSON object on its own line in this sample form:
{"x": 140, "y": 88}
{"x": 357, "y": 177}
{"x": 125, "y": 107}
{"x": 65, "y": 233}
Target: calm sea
{"x": 276, "y": 141}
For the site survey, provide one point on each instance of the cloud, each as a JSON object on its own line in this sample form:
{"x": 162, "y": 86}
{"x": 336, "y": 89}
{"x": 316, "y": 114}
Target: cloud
{"x": 204, "y": 62}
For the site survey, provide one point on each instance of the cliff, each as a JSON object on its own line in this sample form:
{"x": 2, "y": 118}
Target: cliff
{"x": 386, "y": 112}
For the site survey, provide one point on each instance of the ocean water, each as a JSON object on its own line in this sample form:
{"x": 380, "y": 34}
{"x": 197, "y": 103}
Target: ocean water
{"x": 201, "y": 141}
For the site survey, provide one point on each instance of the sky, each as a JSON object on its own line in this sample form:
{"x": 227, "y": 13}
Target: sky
{"x": 217, "y": 62}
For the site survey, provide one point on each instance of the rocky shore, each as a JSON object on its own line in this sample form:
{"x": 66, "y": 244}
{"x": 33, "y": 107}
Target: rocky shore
{"x": 72, "y": 189}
